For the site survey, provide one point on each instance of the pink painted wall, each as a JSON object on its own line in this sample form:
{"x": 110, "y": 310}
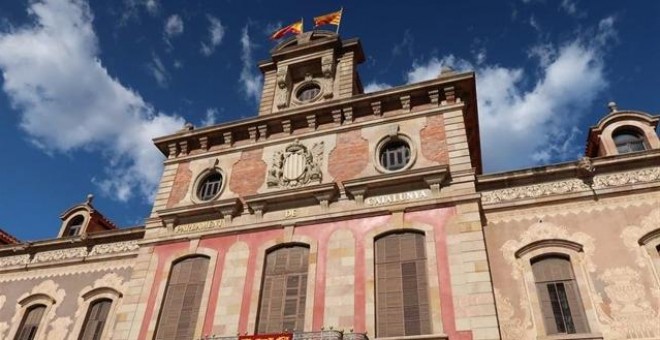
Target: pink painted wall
{"x": 360, "y": 227}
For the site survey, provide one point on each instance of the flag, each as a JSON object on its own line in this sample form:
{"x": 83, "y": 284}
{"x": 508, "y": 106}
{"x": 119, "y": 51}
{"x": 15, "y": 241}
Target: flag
{"x": 333, "y": 18}
{"x": 295, "y": 28}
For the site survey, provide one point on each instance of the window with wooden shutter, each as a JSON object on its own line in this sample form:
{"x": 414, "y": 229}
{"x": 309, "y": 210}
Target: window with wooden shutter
{"x": 97, "y": 314}
{"x": 30, "y": 323}
{"x": 402, "y": 306}
{"x": 183, "y": 296}
{"x": 559, "y": 298}
{"x": 283, "y": 291}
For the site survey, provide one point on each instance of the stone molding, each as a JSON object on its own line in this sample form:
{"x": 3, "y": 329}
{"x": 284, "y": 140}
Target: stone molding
{"x": 51, "y": 272}
{"x": 569, "y": 186}
{"x": 68, "y": 253}
{"x": 59, "y": 254}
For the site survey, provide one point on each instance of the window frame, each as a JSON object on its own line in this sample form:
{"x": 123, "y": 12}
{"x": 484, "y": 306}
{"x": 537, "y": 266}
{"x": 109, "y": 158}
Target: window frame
{"x": 165, "y": 268}
{"x": 574, "y": 310}
{"x": 574, "y": 252}
{"x": 286, "y": 276}
{"x": 25, "y": 304}
{"x": 199, "y": 181}
{"x": 87, "y": 297}
{"x": 394, "y": 138}
{"x": 640, "y": 138}
{"x": 424, "y": 261}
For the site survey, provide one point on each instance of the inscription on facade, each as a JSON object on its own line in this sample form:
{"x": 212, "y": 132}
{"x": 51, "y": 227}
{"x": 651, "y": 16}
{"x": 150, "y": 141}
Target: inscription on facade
{"x": 396, "y": 198}
{"x": 196, "y": 226}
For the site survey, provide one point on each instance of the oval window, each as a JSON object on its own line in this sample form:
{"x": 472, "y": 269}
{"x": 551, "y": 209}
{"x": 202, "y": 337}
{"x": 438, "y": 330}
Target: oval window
{"x": 308, "y": 92}
{"x": 394, "y": 155}
{"x": 210, "y": 186}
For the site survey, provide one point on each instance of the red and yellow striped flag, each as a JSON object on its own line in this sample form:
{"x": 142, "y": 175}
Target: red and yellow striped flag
{"x": 333, "y": 18}
{"x": 295, "y": 28}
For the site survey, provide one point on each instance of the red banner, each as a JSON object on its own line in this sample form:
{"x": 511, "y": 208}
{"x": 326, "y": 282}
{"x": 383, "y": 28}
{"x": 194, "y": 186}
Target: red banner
{"x": 274, "y": 336}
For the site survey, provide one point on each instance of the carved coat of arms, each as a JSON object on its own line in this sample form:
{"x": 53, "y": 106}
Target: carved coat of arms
{"x": 296, "y": 166}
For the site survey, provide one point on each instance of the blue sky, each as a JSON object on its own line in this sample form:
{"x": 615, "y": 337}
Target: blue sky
{"x": 86, "y": 85}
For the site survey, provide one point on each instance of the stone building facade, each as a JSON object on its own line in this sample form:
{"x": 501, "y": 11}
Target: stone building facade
{"x": 337, "y": 214}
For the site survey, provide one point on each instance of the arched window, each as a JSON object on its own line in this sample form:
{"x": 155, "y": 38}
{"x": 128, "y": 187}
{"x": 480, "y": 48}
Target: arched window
{"x": 402, "y": 303}
{"x": 561, "y": 307}
{"x": 628, "y": 140}
{"x": 75, "y": 225}
{"x": 182, "y": 299}
{"x": 97, "y": 314}
{"x": 30, "y": 323}
{"x": 283, "y": 292}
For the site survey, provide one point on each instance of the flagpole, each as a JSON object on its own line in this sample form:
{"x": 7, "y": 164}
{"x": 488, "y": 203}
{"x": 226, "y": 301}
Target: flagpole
{"x": 341, "y": 11}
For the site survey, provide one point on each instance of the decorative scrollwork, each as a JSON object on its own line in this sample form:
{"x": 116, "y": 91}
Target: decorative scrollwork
{"x": 60, "y": 254}
{"x": 16, "y": 260}
{"x": 112, "y": 248}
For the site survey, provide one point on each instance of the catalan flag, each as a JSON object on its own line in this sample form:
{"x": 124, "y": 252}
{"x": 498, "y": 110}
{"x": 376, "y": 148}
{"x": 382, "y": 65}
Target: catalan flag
{"x": 295, "y": 28}
{"x": 333, "y": 18}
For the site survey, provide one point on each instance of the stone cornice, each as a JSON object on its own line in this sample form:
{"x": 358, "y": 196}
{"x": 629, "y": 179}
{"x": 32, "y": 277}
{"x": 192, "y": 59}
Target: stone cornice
{"x": 399, "y": 101}
{"x": 87, "y": 240}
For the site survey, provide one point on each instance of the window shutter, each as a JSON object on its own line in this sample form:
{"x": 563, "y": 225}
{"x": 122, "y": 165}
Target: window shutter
{"x": 402, "y": 306}
{"x": 561, "y": 307}
{"x": 31, "y": 321}
{"x": 284, "y": 289}
{"x": 182, "y": 300}
{"x": 95, "y": 320}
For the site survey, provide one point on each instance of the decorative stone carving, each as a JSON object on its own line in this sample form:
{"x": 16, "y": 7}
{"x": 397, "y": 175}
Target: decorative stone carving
{"x": 629, "y": 177}
{"x": 547, "y": 231}
{"x": 296, "y": 166}
{"x": 49, "y": 288}
{"x": 632, "y": 234}
{"x": 328, "y": 69}
{"x": 16, "y": 260}
{"x": 631, "y": 315}
{"x": 283, "y": 91}
{"x": 112, "y": 248}
{"x": 533, "y": 191}
{"x": 59, "y": 328}
{"x": 3, "y": 329}
{"x": 512, "y": 328}
{"x": 571, "y": 185}
{"x": 60, "y": 254}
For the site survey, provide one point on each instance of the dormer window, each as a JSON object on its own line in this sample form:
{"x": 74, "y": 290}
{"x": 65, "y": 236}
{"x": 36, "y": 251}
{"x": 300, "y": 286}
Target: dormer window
{"x": 75, "y": 225}
{"x": 628, "y": 140}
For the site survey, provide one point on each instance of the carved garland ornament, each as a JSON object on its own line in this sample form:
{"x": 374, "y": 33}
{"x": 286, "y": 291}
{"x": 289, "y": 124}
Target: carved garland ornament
{"x": 296, "y": 166}
{"x": 112, "y": 248}
{"x": 630, "y": 313}
{"x": 546, "y": 231}
{"x": 632, "y": 234}
{"x": 60, "y": 254}
{"x": 572, "y": 185}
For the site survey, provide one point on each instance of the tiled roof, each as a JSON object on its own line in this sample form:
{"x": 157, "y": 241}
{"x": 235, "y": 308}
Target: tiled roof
{"x": 6, "y": 238}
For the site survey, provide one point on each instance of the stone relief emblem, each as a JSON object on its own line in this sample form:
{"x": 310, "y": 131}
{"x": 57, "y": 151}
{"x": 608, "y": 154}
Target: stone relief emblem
{"x": 631, "y": 315}
{"x": 296, "y": 166}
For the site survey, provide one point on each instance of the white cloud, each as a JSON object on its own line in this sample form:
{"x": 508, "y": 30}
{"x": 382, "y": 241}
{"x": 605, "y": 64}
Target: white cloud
{"x": 571, "y": 8}
{"x": 158, "y": 71}
{"x": 68, "y": 101}
{"x": 250, "y": 78}
{"x": 152, "y": 6}
{"x": 132, "y": 8}
{"x": 523, "y": 125}
{"x": 216, "y": 33}
{"x": 376, "y": 86}
{"x": 173, "y": 26}
{"x": 211, "y": 116}
{"x": 432, "y": 68}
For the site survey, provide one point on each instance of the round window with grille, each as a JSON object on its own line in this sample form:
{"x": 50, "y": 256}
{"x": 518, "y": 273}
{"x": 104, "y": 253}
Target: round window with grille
{"x": 209, "y": 187}
{"x": 308, "y": 92}
{"x": 394, "y": 154}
